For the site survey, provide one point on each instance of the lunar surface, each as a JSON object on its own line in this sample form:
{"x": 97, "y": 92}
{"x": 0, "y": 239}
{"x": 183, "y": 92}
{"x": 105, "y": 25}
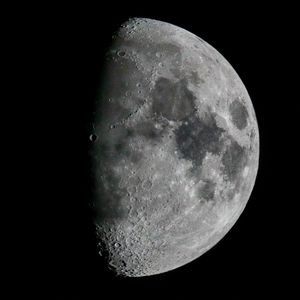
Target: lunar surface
{"x": 174, "y": 149}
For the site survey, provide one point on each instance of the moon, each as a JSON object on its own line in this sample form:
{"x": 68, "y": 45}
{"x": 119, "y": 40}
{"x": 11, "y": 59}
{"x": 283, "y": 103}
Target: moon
{"x": 174, "y": 149}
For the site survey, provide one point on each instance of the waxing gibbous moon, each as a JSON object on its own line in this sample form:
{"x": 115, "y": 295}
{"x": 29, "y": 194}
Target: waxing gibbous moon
{"x": 174, "y": 148}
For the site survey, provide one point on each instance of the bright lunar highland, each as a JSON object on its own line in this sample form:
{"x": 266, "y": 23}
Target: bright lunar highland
{"x": 174, "y": 148}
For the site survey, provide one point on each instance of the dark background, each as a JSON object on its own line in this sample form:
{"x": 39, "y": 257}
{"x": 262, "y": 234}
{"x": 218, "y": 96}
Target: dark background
{"x": 63, "y": 48}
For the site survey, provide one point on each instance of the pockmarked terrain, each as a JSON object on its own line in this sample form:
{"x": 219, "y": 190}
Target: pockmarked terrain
{"x": 174, "y": 148}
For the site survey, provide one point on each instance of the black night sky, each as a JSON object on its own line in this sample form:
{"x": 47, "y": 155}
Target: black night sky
{"x": 68, "y": 45}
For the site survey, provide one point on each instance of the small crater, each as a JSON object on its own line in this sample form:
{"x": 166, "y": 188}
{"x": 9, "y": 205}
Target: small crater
{"x": 93, "y": 137}
{"x": 147, "y": 184}
{"x": 131, "y": 190}
{"x": 121, "y": 53}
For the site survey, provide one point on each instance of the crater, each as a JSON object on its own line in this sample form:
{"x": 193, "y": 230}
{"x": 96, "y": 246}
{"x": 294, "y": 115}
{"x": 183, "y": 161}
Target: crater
{"x": 239, "y": 114}
{"x": 121, "y": 53}
{"x": 172, "y": 100}
{"x": 93, "y": 137}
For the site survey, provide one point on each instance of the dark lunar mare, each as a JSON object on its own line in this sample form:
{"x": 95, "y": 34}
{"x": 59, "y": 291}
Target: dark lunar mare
{"x": 234, "y": 160}
{"x": 173, "y": 101}
{"x": 196, "y": 137}
{"x": 207, "y": 191}
{"x": 239, "y": 114}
